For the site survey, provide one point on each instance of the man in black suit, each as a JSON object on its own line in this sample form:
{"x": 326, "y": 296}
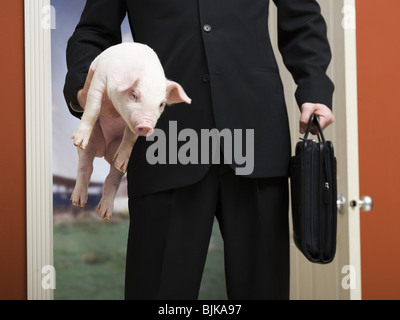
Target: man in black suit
{"x": 220, "y": 52}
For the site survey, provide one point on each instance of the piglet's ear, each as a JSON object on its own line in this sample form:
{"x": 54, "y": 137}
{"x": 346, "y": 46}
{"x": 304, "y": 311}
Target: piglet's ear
{"x": 125, "y": 81}
{"x": 175, "y": 93}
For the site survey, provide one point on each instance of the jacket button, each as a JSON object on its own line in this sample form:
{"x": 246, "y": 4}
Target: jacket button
{"x": 206, "y": 78}
{"x": 207, "y": 28}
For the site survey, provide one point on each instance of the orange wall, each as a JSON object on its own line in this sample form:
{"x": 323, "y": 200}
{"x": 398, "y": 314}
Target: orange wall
{"x": 378, "y": 47}
{"x": 12, "y": 168}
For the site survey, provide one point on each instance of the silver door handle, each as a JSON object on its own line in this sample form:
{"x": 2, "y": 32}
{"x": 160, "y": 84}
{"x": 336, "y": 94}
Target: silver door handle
{"x": 341, "y": 203}
{"x": 365, "y": 203}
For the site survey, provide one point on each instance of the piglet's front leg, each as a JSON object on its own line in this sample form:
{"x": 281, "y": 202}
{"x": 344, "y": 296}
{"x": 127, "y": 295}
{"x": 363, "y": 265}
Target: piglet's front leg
{"x": 111, "y": 185}
{"x": 121, "y": 157}
{"x": 93, "y": 89}
{"x": 91, "y": 114}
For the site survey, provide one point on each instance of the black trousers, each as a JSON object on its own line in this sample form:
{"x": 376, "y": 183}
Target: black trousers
{"x": 170, "y": 231}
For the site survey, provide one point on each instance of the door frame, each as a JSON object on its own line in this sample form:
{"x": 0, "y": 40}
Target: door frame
{"x": 38, "y": 132}
{"x": 351, "y": 118}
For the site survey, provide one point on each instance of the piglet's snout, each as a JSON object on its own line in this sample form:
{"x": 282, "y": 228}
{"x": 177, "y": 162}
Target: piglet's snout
{"x": 144, "y": 130}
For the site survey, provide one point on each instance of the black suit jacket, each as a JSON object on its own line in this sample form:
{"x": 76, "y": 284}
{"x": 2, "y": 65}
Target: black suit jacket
{"x": 220, "y": 52}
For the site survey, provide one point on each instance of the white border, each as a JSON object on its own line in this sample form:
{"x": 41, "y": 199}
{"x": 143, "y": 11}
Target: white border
{"x": 39, "y": 202}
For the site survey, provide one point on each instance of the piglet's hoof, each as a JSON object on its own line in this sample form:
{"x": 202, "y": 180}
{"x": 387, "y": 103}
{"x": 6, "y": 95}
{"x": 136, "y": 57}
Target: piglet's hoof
{"x": 121, "y": 162}
{"x": 81, "y": 138}
{"x": 104, "y": 211}
{"x": 78, "y": 200}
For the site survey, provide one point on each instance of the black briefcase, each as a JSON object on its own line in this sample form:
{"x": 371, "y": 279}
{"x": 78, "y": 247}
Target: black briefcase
{"x": 314, "y": 195}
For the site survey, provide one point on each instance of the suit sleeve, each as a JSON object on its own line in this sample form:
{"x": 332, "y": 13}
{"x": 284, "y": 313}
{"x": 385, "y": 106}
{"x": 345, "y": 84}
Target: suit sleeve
{"x": 99, "y": 28}
{"x": 304, "y": 46}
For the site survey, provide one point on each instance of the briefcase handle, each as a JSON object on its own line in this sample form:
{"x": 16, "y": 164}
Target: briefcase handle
{"x": 320, "y": 134}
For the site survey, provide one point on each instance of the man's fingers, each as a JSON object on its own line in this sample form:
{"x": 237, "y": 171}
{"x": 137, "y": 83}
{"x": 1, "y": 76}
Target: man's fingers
{"x": 304, "y": 119}
{"x": 323, "y": 112}
{"x": 325, "y": 121}
{"x": 82, "y": 93}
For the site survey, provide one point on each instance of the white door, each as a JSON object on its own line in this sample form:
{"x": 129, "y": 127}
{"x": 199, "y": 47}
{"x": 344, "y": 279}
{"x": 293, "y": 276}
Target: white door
{"x": 340, "y": 279}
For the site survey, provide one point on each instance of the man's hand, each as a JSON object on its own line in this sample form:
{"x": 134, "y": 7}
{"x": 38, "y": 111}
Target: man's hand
{"x": 324, "y": 113}
{"x": 82, "y": 93}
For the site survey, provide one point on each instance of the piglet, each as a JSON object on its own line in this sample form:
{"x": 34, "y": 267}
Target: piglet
{"x": 127, "y": 93}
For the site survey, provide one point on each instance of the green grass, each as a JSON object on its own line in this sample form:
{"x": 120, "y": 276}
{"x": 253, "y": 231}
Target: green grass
{"x": 213, "y": 282}
{"x": 89, "y": 258}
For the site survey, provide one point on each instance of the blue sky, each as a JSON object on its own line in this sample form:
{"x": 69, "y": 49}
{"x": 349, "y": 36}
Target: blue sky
{"x": 65, "y": 157}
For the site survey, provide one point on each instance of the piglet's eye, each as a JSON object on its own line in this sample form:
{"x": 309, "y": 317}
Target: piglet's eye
{"x": 162, "y": 105}
{"x": 135, "y": 96}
